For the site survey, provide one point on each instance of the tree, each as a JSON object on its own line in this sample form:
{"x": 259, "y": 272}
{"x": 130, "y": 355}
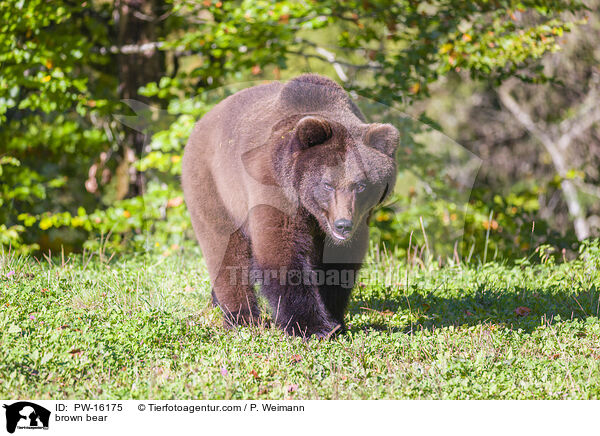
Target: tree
{"x": 570, "y": 134}
{"x": 557, "y": 139}
{"x": 539, "y": 140}
{"x": 66, "y": 66}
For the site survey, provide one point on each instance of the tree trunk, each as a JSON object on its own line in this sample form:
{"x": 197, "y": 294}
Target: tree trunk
{"x": 557, "y": 153}
{"x": 136, "y": 24}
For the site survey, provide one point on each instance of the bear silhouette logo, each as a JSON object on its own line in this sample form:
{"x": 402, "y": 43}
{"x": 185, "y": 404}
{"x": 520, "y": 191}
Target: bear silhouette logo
{"x": 24, "y": 414}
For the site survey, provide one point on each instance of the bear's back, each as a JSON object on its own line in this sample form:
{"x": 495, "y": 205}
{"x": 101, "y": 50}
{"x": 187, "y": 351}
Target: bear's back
{"x": 312, "y": 93}
{"x": 241, "y": 121}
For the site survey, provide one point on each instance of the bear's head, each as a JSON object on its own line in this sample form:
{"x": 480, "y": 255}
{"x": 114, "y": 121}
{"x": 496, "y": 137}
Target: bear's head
{"x": 337, "y": 171}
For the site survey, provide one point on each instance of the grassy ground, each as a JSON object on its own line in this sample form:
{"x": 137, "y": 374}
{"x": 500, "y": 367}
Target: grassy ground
{"x": 142, "y": 327}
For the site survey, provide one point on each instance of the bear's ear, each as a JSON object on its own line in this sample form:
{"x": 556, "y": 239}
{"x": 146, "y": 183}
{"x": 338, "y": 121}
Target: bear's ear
{"x": 311, "y": 131}
{"x": 382, "y": 137}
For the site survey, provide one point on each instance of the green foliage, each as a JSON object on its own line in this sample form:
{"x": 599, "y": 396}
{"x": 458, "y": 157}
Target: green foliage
{"x": 66, "y": 172}
{"x": 46, "y": 88}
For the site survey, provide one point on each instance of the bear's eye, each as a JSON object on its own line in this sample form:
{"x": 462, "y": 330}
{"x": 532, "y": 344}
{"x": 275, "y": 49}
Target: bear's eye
{"x": 328, "y": 187}
{"x": 360, "y": 187}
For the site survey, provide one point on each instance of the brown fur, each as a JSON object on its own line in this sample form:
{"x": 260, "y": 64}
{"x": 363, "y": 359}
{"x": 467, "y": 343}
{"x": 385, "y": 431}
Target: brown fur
{"x": 266, "y": 174}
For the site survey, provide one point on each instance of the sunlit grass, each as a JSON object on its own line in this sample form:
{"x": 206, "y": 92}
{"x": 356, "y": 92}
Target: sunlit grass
{"x": 141, "y": 326}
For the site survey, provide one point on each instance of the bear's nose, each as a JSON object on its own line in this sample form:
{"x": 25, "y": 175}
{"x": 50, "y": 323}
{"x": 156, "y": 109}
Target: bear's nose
{"x": 342, "y": 226}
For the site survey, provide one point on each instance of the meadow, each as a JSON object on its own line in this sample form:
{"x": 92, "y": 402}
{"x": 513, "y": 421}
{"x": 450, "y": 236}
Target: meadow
{"x": 93, "y": 326}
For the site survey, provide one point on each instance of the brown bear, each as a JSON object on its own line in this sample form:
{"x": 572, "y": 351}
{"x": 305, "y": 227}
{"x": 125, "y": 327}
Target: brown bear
{"x": 280, "y": 181}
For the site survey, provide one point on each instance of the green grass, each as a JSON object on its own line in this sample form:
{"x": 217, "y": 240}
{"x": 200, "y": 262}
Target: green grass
{"x": 142, "y": 327}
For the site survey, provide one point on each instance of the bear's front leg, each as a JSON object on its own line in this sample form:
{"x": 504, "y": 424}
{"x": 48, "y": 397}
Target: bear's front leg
{"x": 336, "y": 288}
{"x": 296, "y": 303}
{"x": 282, "y": 249}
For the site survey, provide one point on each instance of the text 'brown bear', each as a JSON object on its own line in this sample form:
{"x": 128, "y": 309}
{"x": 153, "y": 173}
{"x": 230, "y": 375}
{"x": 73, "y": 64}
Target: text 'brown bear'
{"x": 280, "y": 181}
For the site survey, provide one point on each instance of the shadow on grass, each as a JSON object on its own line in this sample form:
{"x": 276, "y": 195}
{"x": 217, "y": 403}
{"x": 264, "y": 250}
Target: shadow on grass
{"x": 523, "y": 308}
